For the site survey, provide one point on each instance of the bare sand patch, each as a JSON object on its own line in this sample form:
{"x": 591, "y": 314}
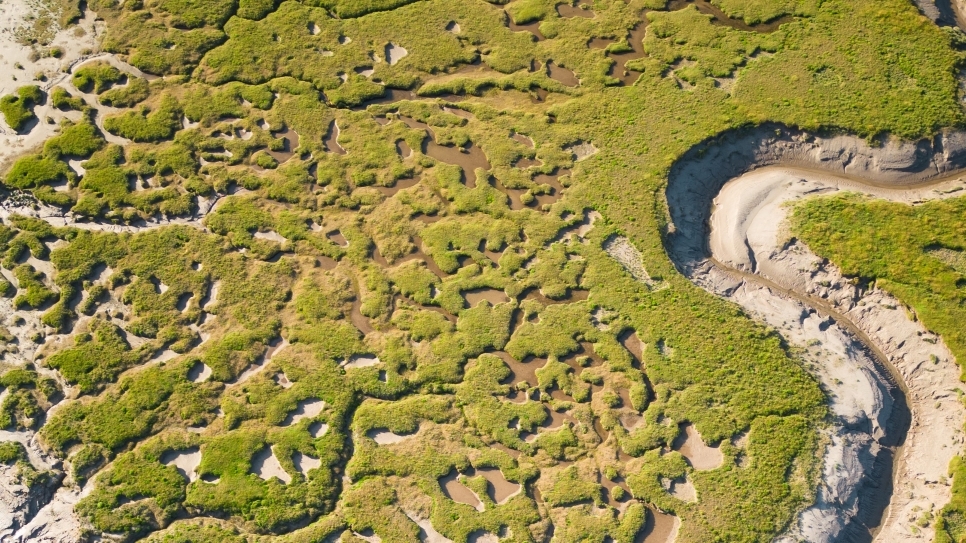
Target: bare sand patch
{"x": 185, "y": 461}
{"x": 482, "y": 536}
{"x": 305, "y": 463}
{"x": 360, "y": 361}
{"x": 699, "y": 455}
{"x": 199, "y": 372}
{"x": 681, "y": 488}
{"x": 164, "y": 355}
{"x": 266, "y": 466}
{"x": 318, "y": 429}
{"x": 271, "y": 235}
{"x": 427, "y": 534}
{"x": 623, "y": 251}
{"x": 582, "y": 150}
{"x": 305, "y": 409}
{"x": 282, "y": 380}
{"x": 383, "y": 436}
{"x": 395, "y": 53}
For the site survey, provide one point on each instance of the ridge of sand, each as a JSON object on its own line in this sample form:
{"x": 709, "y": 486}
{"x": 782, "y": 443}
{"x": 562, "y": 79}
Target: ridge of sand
{"x": 872, "y": 360}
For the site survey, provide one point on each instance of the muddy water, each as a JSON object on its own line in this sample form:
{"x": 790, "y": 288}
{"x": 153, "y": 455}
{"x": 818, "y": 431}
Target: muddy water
{"x": 458, "y": 492}
{"x": 586, "y": 349}
{"x": 291, "y": 143}
{"x": 475, "y": 296}
{"x": 336, "y": 237}
{"x": 499, "y": 489}
{"x": 399, "y": 185}
{"x": 561, "y": 74}
{"x": 468, "y": 158}
{"x": 331, "y": 140}
{"x": 525, "y": 162}
{"x": 539, "y": 200}
{"x": 661, "y": 527}
{"x": 609, "y": 487}
{"x": 635, "y": 39}
{"x": 566, "y": 10}
{"x": 557, "y": 419}
{"x": 358, "y": 319}
{"x": 633, "y": 344}
{"x": 721, "y": 19}
{"x": 461, "y": 113}
{"x": 533, "y": 28}
{"x": 521, "y": 371}
{"x": 572, "y": 296}
{"x": 403, "y": 149}
{"x": 698, "y": 454}
{"x": 326, "y": 263}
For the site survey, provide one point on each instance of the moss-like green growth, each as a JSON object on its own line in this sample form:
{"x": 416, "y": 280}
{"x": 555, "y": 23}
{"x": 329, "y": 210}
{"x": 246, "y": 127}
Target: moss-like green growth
{"x": 61, "y": 99}
{"x": 147, "y": 125}
{"x": 17, "y": 108}
{"x": 134, "y": 92}
{"x": 12, "y": 452}
{"x": 96, "y": 77}
{"x": 28, "y": 397}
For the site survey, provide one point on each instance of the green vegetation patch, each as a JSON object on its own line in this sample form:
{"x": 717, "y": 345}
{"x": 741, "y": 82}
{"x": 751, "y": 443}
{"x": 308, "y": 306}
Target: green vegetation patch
{"x": 18, "y": 109}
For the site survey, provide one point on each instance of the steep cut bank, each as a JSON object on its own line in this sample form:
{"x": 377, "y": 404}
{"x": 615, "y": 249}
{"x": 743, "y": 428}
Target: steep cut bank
{"x": 895, "y": 422}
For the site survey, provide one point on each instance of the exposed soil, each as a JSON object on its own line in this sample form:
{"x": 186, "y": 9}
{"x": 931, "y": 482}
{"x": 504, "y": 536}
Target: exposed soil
{"x": 699, "y": 455}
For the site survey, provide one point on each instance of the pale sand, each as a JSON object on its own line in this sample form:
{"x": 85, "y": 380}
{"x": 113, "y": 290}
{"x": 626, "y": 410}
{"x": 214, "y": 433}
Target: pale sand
{"x": 185, "y": 461}
{"x": 748, "y": 234}
{"x": 360, "y": 361}
{"x": 383, "y": 436}
{"x": 790, "y": 289}
{"x": 270, "y": 236}
{"x": 395, "y": 53}
{"x": 427, "y": 534}
{"x": 198, "y": 373}
{"x": 306, "y": 409}
{"x": 266, "y": 466}
{"x": 305, "y": 463}
{"x": 699, "y": 455}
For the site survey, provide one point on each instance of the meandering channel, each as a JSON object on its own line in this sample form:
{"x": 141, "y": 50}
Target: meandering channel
{"x": 894, "y": 420}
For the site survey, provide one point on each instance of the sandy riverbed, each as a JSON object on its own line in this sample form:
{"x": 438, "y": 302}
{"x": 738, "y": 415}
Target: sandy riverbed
{"x": 873, "y": 361}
